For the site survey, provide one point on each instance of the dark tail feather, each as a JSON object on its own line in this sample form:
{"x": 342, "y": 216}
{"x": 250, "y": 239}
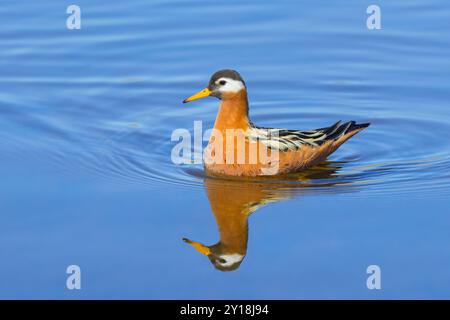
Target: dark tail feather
{"x": 345, "y": 128}
{"x": 356, "y": 126}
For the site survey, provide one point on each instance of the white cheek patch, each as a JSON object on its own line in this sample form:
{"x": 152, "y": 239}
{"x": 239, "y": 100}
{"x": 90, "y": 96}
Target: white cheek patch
{"x": 230, "y": 86}
{"x": 231, "y": 259}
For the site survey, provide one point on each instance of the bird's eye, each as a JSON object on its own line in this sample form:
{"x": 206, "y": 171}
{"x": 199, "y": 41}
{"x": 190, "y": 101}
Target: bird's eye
{"x": 222, "y": 82}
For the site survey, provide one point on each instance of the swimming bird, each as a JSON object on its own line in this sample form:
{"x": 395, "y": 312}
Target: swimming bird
{"x": 237, "y": 147}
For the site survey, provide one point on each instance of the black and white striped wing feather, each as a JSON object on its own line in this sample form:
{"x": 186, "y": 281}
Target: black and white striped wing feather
{"x": 284, "y": 139}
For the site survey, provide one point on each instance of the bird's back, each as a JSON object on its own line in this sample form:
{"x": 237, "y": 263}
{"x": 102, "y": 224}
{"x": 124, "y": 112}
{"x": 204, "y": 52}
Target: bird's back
{"x": 292, "y": 140}
{"x": 299, "y": 150}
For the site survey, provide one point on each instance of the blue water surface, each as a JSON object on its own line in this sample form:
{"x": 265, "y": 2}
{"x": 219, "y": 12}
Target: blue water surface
{"x": 87, "y": 179}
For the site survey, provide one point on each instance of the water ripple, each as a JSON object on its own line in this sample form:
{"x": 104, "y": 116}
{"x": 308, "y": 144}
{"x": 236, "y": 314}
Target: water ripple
{"x": 392, "y": 156}
{"x": 104, "y": 101}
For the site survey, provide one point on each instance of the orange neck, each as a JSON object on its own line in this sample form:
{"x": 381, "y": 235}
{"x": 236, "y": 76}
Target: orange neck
{"x": 233, "y": 112}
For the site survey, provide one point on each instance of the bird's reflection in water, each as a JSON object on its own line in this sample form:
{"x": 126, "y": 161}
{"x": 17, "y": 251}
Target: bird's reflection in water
{"x": 232, "y": 202}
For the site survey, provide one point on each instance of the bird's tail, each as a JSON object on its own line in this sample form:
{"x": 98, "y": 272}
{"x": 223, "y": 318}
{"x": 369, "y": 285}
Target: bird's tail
{"x": 340, "y": 129}
{"x": 357, "y": 126}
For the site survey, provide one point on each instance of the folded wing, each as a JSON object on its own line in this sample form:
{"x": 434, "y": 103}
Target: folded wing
{"x": 284, "y": 139}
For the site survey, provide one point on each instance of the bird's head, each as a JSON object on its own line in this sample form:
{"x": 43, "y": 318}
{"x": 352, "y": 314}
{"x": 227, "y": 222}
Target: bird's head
{"x": 219, "y": 257}
{"x": 224, "y": 84}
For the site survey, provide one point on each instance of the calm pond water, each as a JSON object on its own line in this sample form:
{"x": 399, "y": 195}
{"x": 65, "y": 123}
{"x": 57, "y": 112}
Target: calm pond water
{"x": 85, "y": 144}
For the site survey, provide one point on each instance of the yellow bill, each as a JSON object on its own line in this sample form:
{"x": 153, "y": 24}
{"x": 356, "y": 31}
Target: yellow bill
{"x": 204, "y": 93}
{"x": 198, "y": 246}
